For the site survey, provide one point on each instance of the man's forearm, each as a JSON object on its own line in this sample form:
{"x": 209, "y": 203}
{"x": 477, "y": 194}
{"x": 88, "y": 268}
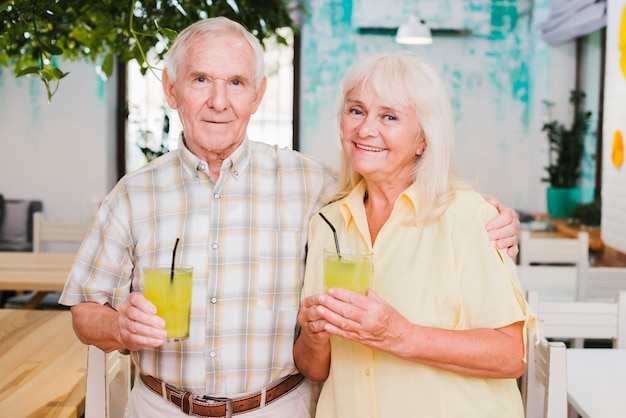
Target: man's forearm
{"x": 96, "y": 324}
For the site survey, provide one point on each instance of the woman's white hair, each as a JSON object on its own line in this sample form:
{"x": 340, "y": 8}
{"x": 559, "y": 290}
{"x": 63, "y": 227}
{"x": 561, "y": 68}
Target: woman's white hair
{"x": 402, "y": 79}
{"x": 209, "y": 27}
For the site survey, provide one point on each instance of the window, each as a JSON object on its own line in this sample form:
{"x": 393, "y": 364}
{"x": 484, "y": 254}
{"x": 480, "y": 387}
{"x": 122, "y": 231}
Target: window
{"x": 152, "y": 128}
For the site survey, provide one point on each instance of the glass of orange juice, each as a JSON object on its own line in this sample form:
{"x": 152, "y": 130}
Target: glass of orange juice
{"x": 351, "y": 269}
{"x": 172, "y": 297}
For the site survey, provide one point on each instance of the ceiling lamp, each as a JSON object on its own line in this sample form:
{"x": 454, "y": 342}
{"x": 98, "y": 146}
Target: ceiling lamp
{"x": 414, "y": 32}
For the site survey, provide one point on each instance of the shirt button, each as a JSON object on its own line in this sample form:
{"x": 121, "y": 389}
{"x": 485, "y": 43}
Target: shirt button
{"x": 214, "y": 245}
{"x": 235, "y": 173}
{"x": 202, "y": 166}
{"x": 216, "y": 195}
{"x": 367, "y": 372}
{"x": 213, "y": 300}
{"x": 212, "y": 354}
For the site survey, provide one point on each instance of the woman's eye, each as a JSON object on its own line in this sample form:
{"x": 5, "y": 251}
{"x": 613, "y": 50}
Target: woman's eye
{"x": 355, "y": 112}
{"x": 390, "y": 117}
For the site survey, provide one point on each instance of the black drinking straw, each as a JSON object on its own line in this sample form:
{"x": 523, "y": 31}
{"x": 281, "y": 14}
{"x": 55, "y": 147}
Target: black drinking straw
{"x": 334, "y": 233}
{"x": 173, "y": 261}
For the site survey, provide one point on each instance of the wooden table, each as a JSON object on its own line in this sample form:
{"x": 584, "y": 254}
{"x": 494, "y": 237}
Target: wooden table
{"x": 596, "y": 382}
{"x": 41, "y": 272}
{"x": 564, "y": 228}
{"x": 43, "y": 365}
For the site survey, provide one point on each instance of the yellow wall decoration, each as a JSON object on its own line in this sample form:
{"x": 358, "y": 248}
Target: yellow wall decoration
{"x": 617, "y": 155}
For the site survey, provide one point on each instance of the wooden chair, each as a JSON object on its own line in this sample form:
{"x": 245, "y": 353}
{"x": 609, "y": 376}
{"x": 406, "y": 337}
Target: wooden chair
{"x": 601, "y": 283}
{"x": 541, "y": 249}
{"x": 53, "y": 231}
{"x": 557, "y": 283}
{"x": 108, "y": 383}
{"x": 544, "y": 385}
{"x": 581, "y": 320}
{"x": 552, "y": 265}
{"x": 46, "y": 231}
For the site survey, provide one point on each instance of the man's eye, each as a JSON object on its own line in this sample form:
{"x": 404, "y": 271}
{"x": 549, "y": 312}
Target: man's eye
{"x": 237, "y": 82}
{"x": 201, "y": 79}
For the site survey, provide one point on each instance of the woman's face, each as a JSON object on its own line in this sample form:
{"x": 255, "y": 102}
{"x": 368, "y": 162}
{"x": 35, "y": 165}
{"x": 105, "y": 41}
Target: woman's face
{"x": 380, "y": 141}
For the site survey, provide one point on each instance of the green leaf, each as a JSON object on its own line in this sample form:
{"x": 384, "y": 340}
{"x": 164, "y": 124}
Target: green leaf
{"x": 107, "y": 64}
{"x": 5, "y": 5}
{"x": 28, "y": 70}
{"x": 169, "y": 33}
{"x": 50, "y": 48}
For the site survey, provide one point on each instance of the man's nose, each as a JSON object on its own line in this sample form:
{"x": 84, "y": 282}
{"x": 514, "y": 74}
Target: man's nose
{"x": 218, "y": 96}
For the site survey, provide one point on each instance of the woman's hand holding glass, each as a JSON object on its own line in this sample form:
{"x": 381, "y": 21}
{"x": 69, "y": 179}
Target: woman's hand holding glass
{"x": 366, "y": 319}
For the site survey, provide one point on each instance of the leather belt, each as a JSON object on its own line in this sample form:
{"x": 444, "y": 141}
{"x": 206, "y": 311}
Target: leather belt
{"x": 211, "y": 406}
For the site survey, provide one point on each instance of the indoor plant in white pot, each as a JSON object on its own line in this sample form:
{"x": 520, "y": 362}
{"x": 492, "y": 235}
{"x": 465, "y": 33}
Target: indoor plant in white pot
{"x": 565, "y": 152}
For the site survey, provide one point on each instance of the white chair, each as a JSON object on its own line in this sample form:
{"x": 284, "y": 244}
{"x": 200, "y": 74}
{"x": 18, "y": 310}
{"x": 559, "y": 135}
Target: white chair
{"x": 601, "y": 283}
{"x": 581, "y": 319}
{"x": 552, "y": 282}
{"x": 542, "y": 249}
{"x": 553, "y": 265}
{"x": 544, "y": 385}
{"x": 108, "y": 383}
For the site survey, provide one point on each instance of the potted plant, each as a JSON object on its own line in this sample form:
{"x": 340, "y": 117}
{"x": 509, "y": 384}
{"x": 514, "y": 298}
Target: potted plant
{"x": 589, "y": 215}
{"x": 565, "y": 152}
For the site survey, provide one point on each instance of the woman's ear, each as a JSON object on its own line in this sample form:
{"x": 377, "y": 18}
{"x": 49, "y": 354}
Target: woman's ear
{"x": 421, "y": 147}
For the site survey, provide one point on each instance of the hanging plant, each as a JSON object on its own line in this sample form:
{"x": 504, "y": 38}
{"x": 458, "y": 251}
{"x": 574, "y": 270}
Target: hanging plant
{"x": 36, "y": 34}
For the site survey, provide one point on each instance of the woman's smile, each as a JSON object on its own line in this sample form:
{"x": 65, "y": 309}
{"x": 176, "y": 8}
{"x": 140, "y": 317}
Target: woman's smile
{"x": 368, "y": 148}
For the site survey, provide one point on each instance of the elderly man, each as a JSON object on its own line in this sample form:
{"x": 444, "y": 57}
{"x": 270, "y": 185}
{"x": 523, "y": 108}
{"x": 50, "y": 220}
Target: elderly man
{"x": 241, "y": 211}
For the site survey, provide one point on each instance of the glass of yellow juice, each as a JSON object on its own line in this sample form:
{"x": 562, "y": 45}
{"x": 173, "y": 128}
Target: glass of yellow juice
{"x": 350, "y": 270}
{"x": 171, "y": 296}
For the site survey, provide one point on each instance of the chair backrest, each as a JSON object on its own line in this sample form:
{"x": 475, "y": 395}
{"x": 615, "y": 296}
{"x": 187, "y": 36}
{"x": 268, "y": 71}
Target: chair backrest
{"x": 544, "y": 385}
{"x": 16, "y": 224}
{"x": 539, "y": 249}
{"x": 108, "y": 383}
{"x": 552, "y": 282}
{"x": 54, "y": 231}
{"x": 581, "y": 319}
{"x": 601, "y": 283}
{"x": 553, "y": 265}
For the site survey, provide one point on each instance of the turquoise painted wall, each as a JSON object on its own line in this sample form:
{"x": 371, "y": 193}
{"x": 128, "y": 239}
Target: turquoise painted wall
{"x": 497, "y": 80}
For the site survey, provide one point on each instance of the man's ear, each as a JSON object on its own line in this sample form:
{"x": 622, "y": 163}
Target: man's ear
{"x": 259, "y": 94}
{"x": 168, "y": 90}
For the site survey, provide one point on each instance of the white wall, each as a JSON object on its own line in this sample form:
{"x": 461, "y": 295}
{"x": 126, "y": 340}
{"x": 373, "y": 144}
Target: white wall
{"x": 60, "y": 152}
{"x": 614, "y": 177}
{"x": 63, "y": 152}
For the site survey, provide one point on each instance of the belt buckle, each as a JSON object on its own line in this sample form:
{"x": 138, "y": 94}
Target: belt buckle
{"x": 227, "y": 401}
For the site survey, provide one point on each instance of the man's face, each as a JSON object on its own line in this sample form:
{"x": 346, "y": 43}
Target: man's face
{"x": 214, "y": 93}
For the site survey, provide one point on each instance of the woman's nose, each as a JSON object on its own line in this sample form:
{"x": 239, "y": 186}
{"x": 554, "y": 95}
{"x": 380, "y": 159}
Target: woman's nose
{"x": 368, "y": 126}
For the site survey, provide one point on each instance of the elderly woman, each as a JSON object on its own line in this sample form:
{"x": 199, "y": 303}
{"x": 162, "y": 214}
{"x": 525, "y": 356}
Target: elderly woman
{"x": 442, "y": 330}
